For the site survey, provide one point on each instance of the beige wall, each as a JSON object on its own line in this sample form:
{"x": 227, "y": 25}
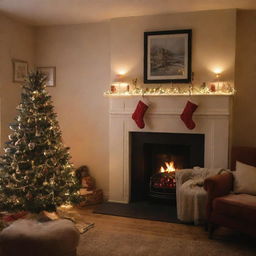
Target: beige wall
{"x": 82, "y": 59}
{"x": 87, "y": 56}
{"x": 244, "y": 124}
{"x": 16, "y": 42}
{"x": 213, "y": 41}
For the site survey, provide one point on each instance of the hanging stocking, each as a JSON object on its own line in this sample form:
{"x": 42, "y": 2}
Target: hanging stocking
{"x": 187, "y": 114}
{"x": 138, "y": 114}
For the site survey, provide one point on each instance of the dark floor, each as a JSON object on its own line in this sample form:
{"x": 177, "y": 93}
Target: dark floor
{"x": 141, "y": 210}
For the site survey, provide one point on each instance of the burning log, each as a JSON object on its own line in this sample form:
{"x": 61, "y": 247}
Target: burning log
{"x": 163, "y": 183}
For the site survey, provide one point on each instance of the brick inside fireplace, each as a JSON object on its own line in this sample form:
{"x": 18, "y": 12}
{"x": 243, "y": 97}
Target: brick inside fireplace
{"x": 150, "y": 151}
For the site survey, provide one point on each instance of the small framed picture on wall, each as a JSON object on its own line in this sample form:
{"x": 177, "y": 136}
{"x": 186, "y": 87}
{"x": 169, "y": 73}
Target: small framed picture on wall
{"x": 20, "y": 70}
{"x": 167, "y": 56}
{"x": 50, "y": 72}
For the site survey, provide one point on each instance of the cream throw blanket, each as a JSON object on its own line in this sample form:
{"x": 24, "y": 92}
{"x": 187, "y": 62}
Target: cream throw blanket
{"x": 191, "y": 196}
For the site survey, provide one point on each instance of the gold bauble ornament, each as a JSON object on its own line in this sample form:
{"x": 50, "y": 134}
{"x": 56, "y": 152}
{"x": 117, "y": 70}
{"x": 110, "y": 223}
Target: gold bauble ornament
{"x": 31, "y": 145}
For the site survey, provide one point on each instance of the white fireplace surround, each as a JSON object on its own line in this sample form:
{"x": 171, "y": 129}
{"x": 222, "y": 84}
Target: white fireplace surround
{"x": 212, "y": 119}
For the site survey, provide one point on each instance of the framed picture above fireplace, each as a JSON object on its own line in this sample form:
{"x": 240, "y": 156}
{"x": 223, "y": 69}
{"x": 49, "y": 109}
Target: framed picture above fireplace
{"x": 167, "y": 56}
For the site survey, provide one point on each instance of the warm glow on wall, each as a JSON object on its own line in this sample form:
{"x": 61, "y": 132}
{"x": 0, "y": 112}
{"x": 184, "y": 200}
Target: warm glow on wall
{"x": 121, "y": 72}
{"x": 121, "y": 68}
{"x": 217, "y": 70}
{"x": 217, "y": 67}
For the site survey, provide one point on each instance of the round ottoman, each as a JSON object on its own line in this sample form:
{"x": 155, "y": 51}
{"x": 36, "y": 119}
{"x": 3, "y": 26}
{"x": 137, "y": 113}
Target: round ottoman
{"x": 30, "y": 237}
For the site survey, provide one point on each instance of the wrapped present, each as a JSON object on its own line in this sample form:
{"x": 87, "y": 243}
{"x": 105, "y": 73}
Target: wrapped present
{"x": 91, "y": 197}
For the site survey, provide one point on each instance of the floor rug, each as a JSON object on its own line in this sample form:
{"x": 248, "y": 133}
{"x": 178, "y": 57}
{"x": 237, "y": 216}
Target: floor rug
{"x": 147, "y": 242}
{"x": 140, "y": 210}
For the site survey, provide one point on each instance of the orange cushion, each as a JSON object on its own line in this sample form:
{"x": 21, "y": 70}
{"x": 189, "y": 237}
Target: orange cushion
{"x": 238, "y": 206}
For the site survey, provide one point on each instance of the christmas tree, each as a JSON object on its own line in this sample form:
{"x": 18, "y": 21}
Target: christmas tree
{"x": 35, "y": 172}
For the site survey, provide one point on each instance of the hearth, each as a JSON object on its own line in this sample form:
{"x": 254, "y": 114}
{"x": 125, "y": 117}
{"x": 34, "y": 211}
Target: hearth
{"x": 153, "y": 153}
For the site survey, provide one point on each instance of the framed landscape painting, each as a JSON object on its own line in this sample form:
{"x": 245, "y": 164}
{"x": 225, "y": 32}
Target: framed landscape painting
{"x": 20, "y": 70}
{"x": 167, "y": 56}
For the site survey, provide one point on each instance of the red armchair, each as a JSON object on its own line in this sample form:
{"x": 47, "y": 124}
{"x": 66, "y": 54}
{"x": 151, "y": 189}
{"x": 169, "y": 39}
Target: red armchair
{"x": 235, "y": 211}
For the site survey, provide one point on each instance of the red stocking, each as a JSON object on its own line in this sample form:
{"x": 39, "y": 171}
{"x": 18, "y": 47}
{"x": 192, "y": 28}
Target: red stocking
{"x": 138, "y": 114}
{"x": 187, "y": 114}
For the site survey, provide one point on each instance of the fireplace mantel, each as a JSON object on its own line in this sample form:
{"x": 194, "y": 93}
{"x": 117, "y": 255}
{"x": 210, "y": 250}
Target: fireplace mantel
{"x": 212, "y": 119}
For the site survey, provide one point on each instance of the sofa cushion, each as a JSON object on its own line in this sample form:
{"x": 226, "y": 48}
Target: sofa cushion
{"x": 241, "y": 206}
{"x": 245, "y": 179}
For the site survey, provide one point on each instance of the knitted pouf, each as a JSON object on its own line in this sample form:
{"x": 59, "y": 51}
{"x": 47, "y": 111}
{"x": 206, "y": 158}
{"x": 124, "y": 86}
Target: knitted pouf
{"x": 30, "y": 237}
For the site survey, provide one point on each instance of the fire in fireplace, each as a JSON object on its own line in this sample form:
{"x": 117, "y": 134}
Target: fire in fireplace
{"x": 162, "y": 184}
{"x": 154, "y": 159}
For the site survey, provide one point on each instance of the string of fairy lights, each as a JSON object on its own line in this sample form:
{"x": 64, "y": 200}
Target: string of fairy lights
{"x": 173, "y": 90}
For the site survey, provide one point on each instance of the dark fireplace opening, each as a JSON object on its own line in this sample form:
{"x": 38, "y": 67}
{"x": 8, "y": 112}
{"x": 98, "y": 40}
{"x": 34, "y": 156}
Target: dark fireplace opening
{"x": 154, "y": 159}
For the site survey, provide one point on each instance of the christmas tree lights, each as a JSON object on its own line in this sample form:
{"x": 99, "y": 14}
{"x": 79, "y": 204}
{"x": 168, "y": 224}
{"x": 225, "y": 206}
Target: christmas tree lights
{"x": 35, "y": 172}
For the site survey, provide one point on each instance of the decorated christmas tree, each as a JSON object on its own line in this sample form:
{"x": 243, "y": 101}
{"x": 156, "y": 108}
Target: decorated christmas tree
{"x": 35, "y": 172}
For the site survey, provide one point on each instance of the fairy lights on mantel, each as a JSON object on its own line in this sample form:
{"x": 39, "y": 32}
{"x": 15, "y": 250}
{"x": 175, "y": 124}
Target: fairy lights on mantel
{"x": 174, "y": 91}
{"x": 120, "y": 87}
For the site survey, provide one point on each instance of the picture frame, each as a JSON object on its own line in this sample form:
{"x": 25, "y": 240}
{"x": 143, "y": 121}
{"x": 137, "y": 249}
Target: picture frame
{"x": 20, "y": 70}
{"x": 50, "y": 72}
{"x": 167, "y": 56}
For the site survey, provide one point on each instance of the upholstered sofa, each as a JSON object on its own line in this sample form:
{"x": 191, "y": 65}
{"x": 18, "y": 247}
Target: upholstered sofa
{"x": 226, "y": 208}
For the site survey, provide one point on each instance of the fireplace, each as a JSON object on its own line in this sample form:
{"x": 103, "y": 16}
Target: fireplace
{"x": 152, "y": 153}
{"x": 212, "y": 122}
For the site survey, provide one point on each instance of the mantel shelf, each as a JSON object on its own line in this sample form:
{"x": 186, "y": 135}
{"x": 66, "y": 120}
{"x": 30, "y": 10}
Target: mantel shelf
{"x": 115, "y": 95}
